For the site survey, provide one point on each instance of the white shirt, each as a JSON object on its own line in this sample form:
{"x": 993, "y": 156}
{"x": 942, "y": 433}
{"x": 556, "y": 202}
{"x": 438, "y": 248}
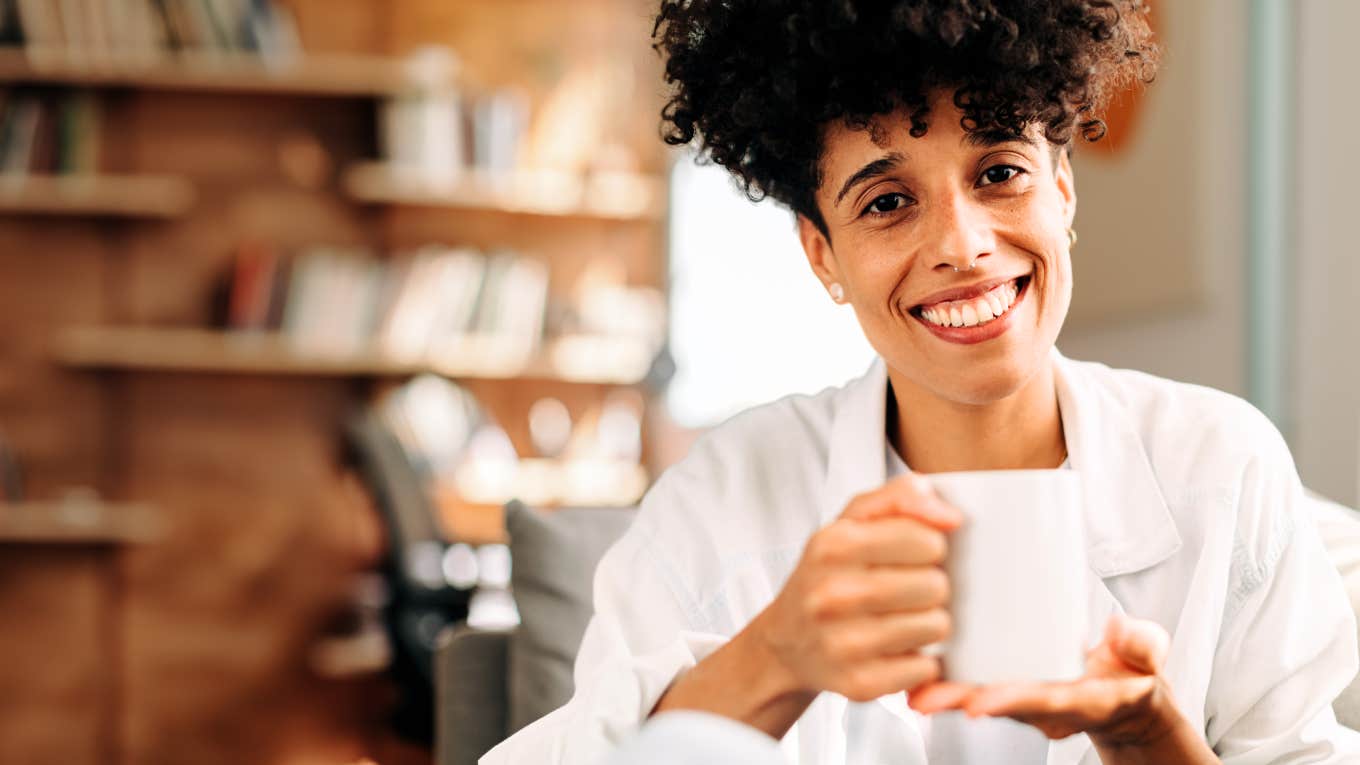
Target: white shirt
{"x": 1195, "y": 520}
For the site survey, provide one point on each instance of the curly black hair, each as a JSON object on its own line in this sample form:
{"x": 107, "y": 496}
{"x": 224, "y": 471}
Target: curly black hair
{"x": 758, "y": 81}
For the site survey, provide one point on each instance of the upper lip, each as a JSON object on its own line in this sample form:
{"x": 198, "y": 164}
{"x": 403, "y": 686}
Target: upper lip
{"x": 965, "y": 293}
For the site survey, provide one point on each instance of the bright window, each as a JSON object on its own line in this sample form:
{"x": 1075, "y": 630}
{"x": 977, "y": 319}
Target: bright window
{"x": 749, "y": 321}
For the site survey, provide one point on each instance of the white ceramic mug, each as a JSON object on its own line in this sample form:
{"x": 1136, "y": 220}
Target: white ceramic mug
{"x": 1018, "y": 577}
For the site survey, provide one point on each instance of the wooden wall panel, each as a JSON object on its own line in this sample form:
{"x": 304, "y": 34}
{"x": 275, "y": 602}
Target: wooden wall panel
{"x": 349, "y": 26}
{"x": 51, "y": 273}
{"x": 221, "y": 615}
{"x": 58, "y": 645}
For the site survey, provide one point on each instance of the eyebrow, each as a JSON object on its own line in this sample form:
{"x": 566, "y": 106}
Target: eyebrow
{"x": 984, "y": 139}
{"x": 874, "y": 169}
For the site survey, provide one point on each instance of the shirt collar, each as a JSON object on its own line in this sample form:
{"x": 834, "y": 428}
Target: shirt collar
{"x": 1129, "y": 526}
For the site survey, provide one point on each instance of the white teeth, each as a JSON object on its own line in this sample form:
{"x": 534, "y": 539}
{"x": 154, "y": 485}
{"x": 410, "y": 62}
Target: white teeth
{"x": 971, "y": 313}
{"x": 970, "y": 317}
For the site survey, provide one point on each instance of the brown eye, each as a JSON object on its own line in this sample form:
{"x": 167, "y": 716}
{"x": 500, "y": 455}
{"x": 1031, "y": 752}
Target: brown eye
{"x": 999, "y": 174}
{"x": 886, "y": 203}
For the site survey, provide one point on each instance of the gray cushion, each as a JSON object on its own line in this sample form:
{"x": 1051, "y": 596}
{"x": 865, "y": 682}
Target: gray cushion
{"x": 553, "y": 557}
{"x": 471, "y": 695}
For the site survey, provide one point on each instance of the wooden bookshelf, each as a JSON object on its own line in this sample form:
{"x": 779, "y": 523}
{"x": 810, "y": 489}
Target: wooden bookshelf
{"x": 115, "y": 196}
{"x": 312, "y": 74}
{"x": 243, "y": 437}
{"x": 616, "y": 197}
{"x": 218, "y": 352}
{"x": 78, "y": 521}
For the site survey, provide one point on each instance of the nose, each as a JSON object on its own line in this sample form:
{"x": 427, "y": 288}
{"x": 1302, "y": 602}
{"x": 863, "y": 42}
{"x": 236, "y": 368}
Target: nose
{"x": 962, "y": 233}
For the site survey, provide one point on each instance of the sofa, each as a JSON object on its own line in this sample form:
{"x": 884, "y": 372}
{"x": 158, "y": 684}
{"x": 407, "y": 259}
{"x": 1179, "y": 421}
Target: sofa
{"x": 491, "y": 683}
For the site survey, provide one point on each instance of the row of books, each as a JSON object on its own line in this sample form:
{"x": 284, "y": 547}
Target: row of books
{"x": 48, "y": 133}
{"x": 451, "y": 137}
{"x": 111, "y": 31}
{"x": 436, "y": 302}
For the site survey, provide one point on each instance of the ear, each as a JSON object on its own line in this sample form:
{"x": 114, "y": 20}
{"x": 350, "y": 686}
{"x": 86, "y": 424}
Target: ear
{"x": 817, "y": 248}
{"x": 1067, "y": 185}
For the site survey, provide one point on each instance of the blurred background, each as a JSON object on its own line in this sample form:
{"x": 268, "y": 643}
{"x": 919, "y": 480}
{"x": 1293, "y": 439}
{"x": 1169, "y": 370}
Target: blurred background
{"x": 295, "y": 295}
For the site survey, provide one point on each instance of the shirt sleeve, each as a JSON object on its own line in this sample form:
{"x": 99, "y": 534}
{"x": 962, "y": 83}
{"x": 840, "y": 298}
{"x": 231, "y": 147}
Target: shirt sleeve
{"x": 641, "y": 636}
{"x": 1288, "y": 645}
{"x": 685, "y": 737}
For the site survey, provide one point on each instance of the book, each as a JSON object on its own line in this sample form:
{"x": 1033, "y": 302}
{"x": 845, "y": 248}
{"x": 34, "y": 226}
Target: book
{"x": 77, "y": 126}
{"x": 44, "y": 155}
{"x": 271, "y": 31}
{"x": 452, "y": 305}
{"x": 463, "y": 277}
{"x": 252, "y": 287}
{"x": 143, "y": 31}
{"x": 407, "y": 329}
{"x": 229, "y": 18}
{"x": 524, "y": 304}
{"x": 214, "y": 28}
{"x": 39, "y": 23}
{"x": 100, "y": 33}
{"x": 20, "y": 132}
{"x": 11, "y": 28}
{"x": 74, "y": 40}
{"x": 98, "y": 36}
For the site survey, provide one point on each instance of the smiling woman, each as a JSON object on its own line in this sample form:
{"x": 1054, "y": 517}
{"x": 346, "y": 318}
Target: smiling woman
{"x": 792, "y": 563}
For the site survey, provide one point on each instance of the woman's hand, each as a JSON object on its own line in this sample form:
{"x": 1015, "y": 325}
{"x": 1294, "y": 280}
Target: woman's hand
{"x": 866, "y": 595}
{"x": 1122, "y": 702}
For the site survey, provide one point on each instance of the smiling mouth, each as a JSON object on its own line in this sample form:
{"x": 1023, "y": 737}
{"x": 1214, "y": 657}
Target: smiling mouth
{"x": 975, "y": 311}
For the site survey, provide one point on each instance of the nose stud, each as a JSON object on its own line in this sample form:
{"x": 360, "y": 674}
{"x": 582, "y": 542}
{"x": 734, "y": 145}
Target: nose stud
{"x": 970, "y": 267}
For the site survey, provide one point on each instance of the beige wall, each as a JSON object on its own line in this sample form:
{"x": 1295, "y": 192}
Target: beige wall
{"x": 1202, "y": 339}
{"x": 1206, "y": 343}
{"x": 1327, "y": 380}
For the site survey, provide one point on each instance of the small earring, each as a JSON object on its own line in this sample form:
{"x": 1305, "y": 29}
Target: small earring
{"x": 1071, "y": 238}
{"x": 837, "y": 292}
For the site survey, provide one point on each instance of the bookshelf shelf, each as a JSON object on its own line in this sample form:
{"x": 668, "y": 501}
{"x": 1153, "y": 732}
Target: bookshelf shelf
{"x": 311, "y": 74}
{"x": 78, "y": 521}
{"x": 616, "y": 197}
{"x": 219, "y": 352}
{"x": 119, "y": 196}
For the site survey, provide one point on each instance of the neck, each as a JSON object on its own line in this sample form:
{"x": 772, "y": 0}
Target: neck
{"x": 1022, "y": 431}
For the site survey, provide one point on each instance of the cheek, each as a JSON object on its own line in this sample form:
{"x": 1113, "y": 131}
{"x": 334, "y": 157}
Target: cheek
{"x": 878, "y": 272}
{"x": 1056, "y": 297}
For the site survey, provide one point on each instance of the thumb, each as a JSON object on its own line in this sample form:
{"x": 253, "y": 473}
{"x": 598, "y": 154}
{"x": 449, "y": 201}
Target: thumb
{"x": 1139, "y": 643}
{"x": 907, "y": 495}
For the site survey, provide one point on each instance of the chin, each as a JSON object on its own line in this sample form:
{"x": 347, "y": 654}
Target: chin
{"x": 987, "y": 384}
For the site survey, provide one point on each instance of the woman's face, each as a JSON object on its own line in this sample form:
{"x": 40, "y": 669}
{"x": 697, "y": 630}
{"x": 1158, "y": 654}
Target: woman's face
{"x": 952, "y": 248}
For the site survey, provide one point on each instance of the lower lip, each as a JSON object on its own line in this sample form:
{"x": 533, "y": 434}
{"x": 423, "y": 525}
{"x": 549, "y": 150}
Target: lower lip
{"x": 982, "y": 332}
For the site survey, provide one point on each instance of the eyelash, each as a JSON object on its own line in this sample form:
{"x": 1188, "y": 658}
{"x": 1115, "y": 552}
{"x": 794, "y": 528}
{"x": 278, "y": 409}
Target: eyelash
{"x": 868, "y": 209}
